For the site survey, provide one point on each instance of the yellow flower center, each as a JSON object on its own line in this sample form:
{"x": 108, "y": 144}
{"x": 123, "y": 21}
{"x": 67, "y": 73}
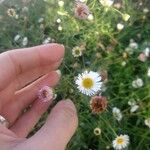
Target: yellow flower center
{"x": 87, "y": 83}
{"x": 120, "y": 141}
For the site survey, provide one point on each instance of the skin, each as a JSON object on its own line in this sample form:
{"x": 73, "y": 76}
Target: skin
{"x": 23, "y": 73}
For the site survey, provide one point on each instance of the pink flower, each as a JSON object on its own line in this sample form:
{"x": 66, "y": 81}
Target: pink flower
{"x": 46, "y": 94}
{"x": 81, "y": 10}
{"x": 142, "y": 57}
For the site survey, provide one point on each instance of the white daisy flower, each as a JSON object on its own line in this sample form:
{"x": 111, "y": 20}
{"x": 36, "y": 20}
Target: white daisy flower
{"x": 147, "y": 122}
{"x": 61, "y": 3}
{"x": 117, "y": 113}
{"x": 47, "y": 40}
{"x": 121, "y": 142}
{"x": 90, "y": 17}
{"x": 106, "y": 3}
{"x": 120, "y": 26}
{"x": 77, "y": 51}
{"x": 134, "y": 106}
{"x": 148, "y": 72}
{"x": 25, "y": 41}
{"x": 147, "y": 51}
{"x": 58, "y": 20}
{"x": 137, "y": 83}
{"x": 40, "y": 20}
{"x": 89, "y": 83}
{"x": 17, "y": 37}
{"x": 97, "y": 131}
{"x": 126, "y": 17}
{"x": 60, "y": 28}
{"x": 133, "y": 45}
{"x": 145, "y": 10}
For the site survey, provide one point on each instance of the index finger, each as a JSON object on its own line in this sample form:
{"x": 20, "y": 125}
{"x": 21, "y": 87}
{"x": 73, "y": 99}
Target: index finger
{"x": 16, "y": 62}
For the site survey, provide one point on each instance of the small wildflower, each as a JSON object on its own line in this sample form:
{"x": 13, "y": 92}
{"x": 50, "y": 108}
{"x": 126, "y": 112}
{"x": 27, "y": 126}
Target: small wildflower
{"x": 76, "y": 51}
{"x": 142, "y": 57}
{"x": 145, "y": 10}
{"x": 121, "y": 142}
{"x": 147, "y": 51}
{"x": 46, "y": 94}
{"x": 98, "y": 104}
{"x": 89, "y": 83}
{"x": 25, "y": 41}
{"x": 147, "y": 122}
{"x": 60, "y": 28}
{"x": 40, "y": 20}
{"x": 133, "y": 44}
{"x": 11, "y": 12}
{"x": 107, "y": 3}
{"x": 60, "y": 3}
{"x": 120, "y": 26}
{"x": 123, "y": 63}
{"x": 97, "y": 131}
{"x": 134, "y": 108}
{"x": 17, "y": 37}
{"x": 90, "y": 17}
{"x": 137, "y": 83}
{"x": 81, "y": 10}
{"x": 47, "y": 40}
{"x": 58, "y": 20}
{"x": 117, "y": 113}
{"x": 126, "y": 17}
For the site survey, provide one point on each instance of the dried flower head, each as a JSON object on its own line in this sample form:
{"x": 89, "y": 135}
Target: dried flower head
{"x": 81, "y": 10}
{"x": 97, "y": 131}
{"x": 46, "y": 94}
{"x": 98, "y": 104}
{"x": 104, "y": 75}
{"x": 11, "y": 12}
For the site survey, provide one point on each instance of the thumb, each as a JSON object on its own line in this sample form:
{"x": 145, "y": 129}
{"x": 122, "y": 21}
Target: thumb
{"x": 58, "y": 129}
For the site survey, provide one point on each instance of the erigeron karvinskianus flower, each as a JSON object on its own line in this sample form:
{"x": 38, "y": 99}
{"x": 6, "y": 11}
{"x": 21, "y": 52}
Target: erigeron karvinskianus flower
{"x": 121, "y": 142}
{"x": 60, "y": 3}
{"x": 106, "y": 3}
{"x": 134, "y": 106}
{"x": 120, "y": 26}
{"x": 17, "y": 37}
{"x": 25, "y": 41}
{"x": 126, "y": 17}
{"x": 89, "y": 83}
{"x": 147, "y": 52}
{"x": 142, "y": 57}
{"x": 117, "y": 113}
{"x": 98, "y": 104}
{"x": 97, "y": 131}
{"x": 77, "y": 51}
{"x": 81, "y": 10}
{"x": 46, "y": 94}
{"x": 11, "y": 12}
{"x": 137, "y": 83}
{"x": 147, "y": 122}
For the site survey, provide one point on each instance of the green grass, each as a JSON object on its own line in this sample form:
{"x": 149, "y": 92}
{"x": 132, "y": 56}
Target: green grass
{"x": 98, "y": 36}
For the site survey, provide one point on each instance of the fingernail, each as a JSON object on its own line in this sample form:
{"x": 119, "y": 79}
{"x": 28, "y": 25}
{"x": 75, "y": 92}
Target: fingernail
{"x": 69, "y": 103}
{"x": 58, "y": 72}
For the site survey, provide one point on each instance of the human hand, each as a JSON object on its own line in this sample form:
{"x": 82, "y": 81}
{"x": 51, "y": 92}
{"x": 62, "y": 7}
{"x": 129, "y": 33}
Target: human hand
{"x": 23, "y": 73}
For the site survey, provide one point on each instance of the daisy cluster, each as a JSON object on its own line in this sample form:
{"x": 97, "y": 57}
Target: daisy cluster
{"x": 106, "y": 69}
